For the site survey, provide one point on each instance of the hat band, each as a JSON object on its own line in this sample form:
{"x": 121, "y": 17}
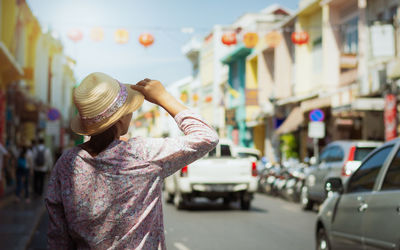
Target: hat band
{"x": 110, "y": 110}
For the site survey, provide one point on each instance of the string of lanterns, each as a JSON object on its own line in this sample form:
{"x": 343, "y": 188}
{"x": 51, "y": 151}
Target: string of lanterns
{"x": 249, "y": 39}
{"x": 273, "y": 38}
{"x": 121, "y": 36}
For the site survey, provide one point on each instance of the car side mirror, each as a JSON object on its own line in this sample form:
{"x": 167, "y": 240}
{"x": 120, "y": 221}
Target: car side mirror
{"x": 334, "y": 185}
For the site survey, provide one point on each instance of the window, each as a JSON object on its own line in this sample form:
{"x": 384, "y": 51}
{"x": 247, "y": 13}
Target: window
{"x": 335, "y": 154}
{"x": 212, "y": 153}
{"x": 392, "y": 178}
{"x": 350, "y": 36}
{"x": 225, "y": 150}
{"x": 325, "y": 154}
{"x": 317, "y": 55}
{"x": 363, "y": 179}
{"x": 245, "y": 155}
{"x": 361, "y": 153}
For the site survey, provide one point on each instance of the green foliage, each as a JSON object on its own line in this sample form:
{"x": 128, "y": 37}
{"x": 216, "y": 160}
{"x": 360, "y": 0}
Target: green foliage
{"x": 289, "y": 146}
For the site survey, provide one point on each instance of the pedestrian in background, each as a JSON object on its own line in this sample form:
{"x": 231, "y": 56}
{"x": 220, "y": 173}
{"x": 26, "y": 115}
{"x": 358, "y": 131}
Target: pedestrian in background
{"x": 43, "y": 161}
{"x": 106, "y": 193}
{"x": 24, "y": 170}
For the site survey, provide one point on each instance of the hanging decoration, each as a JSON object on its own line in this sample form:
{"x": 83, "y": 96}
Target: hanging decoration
{"x": 146, "y": 39}
{"x": 229, "y": 38}
{"x": 97, "y": 34}
{"x": 184, "y": 96}
{"x": 300, "y": 37}
{"x": 273, "y": 39}
{"x": 75, "y": 35}
{"x": 250, "y": 39}
{"x": 121, "y": 36}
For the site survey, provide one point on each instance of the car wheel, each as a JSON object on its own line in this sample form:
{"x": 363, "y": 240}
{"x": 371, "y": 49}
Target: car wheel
{"x": 227, "y": 201}
{"x": 169, "y": 198}
{"x": 322, "y": 240}
{"x": 306, "y": 203}
{"x": 245, "y": 204}
{"x": 179, "y": 201}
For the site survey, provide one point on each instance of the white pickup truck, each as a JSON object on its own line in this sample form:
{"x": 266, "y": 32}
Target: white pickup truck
{"x": 222, "y": 173}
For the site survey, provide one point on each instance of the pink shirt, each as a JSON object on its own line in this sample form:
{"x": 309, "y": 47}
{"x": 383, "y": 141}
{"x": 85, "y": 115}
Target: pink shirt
{"x": 113, "y": 200}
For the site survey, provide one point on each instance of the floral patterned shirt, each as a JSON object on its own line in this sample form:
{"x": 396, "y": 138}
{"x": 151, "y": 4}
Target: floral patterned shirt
{"x": 113, "y": 200}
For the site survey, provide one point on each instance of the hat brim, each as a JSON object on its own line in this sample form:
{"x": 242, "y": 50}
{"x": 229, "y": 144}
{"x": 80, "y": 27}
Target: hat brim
{"x": 133, "y": 102}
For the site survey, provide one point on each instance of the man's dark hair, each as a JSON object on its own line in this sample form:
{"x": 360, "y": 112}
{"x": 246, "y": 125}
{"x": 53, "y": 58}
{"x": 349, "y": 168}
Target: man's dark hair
{"x": 41, "y": 141}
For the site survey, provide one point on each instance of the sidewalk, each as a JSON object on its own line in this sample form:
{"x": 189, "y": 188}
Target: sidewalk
{"x": 18, "y": 222}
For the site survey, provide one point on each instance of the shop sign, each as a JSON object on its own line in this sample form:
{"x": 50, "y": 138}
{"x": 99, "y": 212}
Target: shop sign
{"x": 316, "y": 130}
{"x": 251, "y": 97}
{"x": 230, "y": 117}
{"x": 390, "y": 114}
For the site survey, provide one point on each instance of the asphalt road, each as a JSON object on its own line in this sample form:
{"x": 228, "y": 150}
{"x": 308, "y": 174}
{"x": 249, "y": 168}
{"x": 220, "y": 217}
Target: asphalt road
{"x": 272, "y": 223}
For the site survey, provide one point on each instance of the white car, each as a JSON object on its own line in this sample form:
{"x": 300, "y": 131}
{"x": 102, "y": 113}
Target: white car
{"x": 220, "y": 174}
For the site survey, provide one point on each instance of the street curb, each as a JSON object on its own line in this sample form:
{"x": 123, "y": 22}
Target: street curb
{"x": 35, "y": 226}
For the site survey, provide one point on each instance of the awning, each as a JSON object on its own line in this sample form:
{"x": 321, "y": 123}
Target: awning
{"x": 292, "y": 122}
{"x": 9, "y": 68}
{"x": 361, "y": 104}
{"x": 238, "y": 52}
{"x": 315, "y": 103}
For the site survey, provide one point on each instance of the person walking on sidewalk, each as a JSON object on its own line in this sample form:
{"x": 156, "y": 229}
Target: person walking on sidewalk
{"x": 24, "y": 170}
{"x": 106, "y": 193}
{"x": 42, "y": 164}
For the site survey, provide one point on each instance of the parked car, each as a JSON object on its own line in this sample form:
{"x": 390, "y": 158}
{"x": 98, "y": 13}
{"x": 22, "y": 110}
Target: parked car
{"x": 364, "y": 211}
{"x": 338, "y": 159}
{"x": 218, "y": 175}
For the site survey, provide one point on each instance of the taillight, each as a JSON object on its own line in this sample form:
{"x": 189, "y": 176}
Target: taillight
{"x": 184, "y": 171}
{"x": 253, "y": 169}
{"x": 345, "y": 170}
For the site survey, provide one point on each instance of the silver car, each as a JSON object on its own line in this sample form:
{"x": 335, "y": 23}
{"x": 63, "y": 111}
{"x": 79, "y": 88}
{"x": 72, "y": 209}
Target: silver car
{"x": 338, "y": 159}
{"x": 364, "y": 213}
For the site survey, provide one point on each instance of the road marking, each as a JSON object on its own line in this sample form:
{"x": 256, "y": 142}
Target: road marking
{"x": 180, "y": 246}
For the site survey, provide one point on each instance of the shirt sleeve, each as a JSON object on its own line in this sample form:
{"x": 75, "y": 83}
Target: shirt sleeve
{"x": 57, "y": 234}
{"x": 171, "y": 154}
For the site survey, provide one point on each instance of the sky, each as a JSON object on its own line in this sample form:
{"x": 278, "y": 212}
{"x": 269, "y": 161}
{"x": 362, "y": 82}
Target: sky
{"x": 164, "y": 19}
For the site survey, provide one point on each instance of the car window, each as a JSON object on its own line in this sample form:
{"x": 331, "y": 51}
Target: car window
{"x": 245, "y": 155}
{"x": 213, "y": 152}
{"x": 225, "y": 150}
{"x": 325, "y": 154}
{"x": 392, "y": 178}
{"x": 335, "y": 154}
{"x": 361, "y": 153}
{"x": 363, "y": 179}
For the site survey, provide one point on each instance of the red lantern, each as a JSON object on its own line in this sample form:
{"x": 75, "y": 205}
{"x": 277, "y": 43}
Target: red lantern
{"x": 75, "y": 35}
{"x": 146, "y": 39}
{"x": 273, "y": 39}
{"x": 229, "y": 38}
{"x": 300, "y": 37}
{"x": 250, "y": 39}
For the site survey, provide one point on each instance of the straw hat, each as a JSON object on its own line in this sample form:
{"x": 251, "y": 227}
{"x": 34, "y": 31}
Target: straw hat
{"x": 102, "y": 101}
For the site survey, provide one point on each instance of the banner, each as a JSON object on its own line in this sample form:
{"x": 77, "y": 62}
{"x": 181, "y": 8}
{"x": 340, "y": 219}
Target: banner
{"x": 390, "y": 117}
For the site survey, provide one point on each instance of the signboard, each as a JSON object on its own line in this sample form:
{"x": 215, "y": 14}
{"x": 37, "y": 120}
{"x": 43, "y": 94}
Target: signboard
{"x": 230, "y": 117}
{"x": 317, "y": 115}
{"x": 390, "y": 114}
{"x": 316, "y": 130}
{"x": 382, "y": 40}
{"x": 251, "y": 97}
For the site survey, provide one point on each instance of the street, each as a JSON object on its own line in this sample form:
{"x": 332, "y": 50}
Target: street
{"x": 272, "y": 223}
